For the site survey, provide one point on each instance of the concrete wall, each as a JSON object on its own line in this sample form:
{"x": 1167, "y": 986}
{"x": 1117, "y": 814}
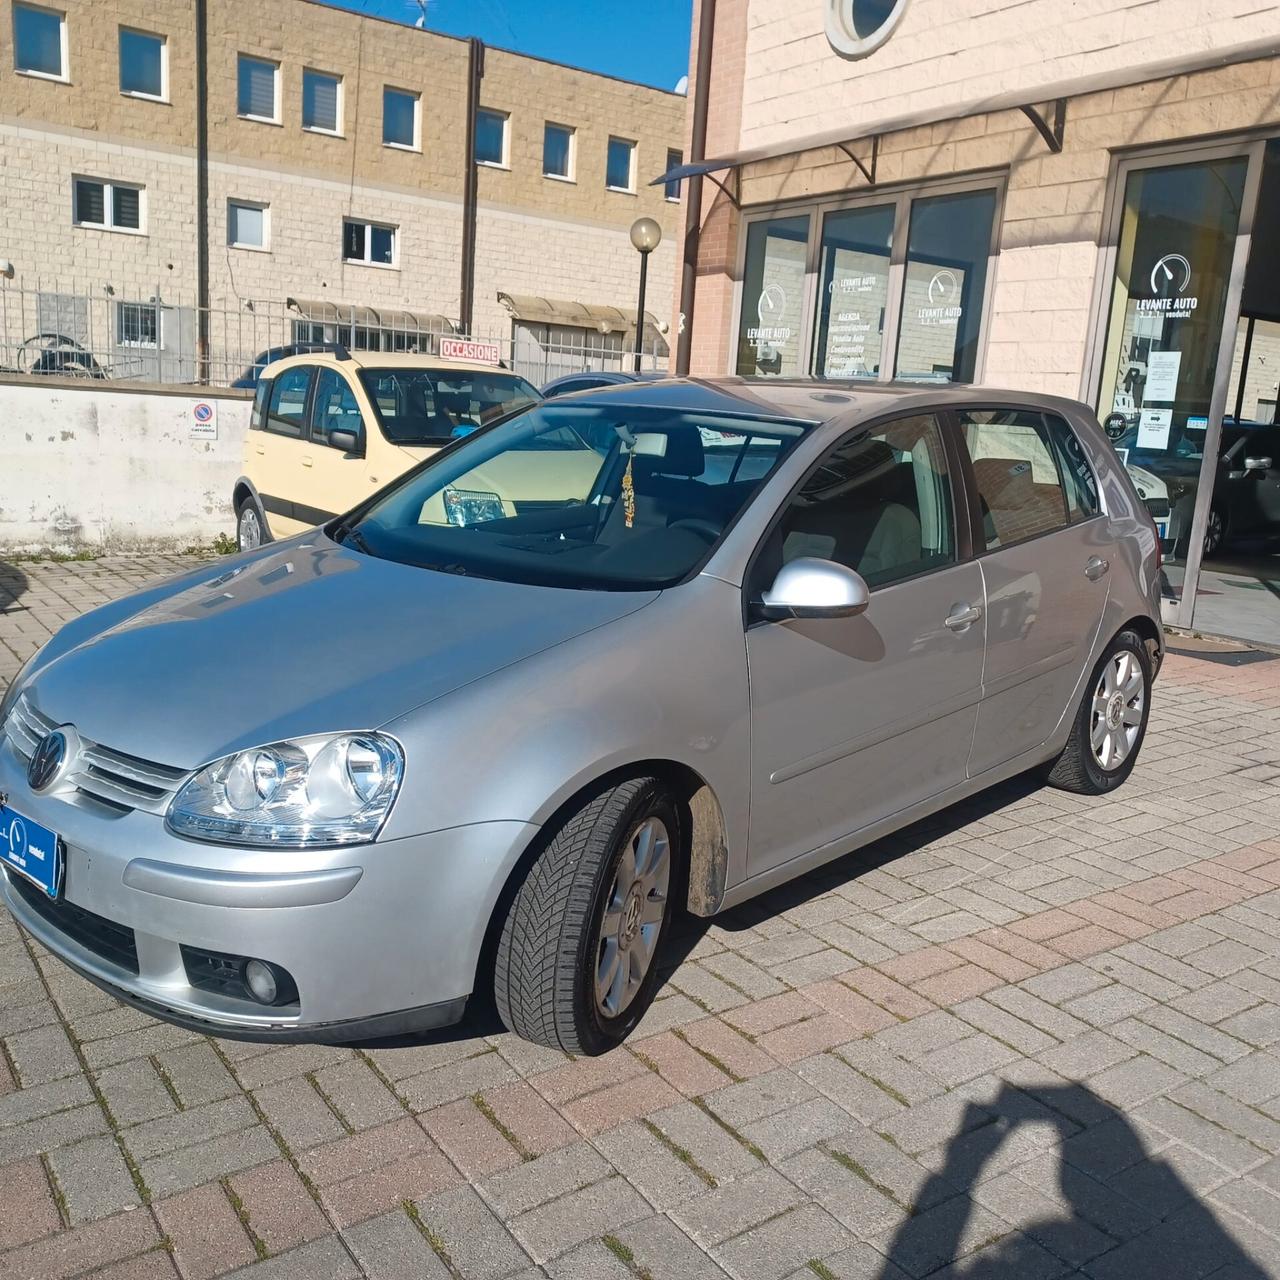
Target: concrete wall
{"x": 88, "y": 468}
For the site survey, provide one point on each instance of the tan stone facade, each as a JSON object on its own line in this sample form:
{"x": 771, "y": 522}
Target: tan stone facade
{"x": 777, "y": 80}
{"x": 566, "y": 240}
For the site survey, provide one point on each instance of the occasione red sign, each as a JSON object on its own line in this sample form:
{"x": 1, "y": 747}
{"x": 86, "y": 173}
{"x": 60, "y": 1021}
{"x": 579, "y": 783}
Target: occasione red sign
{"x": 466, "y": 349}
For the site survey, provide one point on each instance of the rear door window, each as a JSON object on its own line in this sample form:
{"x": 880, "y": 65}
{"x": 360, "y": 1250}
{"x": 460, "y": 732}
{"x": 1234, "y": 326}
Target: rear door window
{"x": 1030, "y": 473}
{"x": 287, "y": 408}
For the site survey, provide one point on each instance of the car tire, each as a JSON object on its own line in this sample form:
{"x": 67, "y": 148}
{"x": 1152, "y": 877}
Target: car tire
{"x": 251, "y": 526}
{"x": 572, "y": 915}
{"x": 1111, "y": 722}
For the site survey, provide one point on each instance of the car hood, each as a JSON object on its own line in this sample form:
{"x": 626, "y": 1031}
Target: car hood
{"x": 310, "y": 637}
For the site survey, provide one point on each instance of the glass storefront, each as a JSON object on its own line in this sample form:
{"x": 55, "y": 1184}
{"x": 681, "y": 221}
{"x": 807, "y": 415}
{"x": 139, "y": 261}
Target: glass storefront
{"x": 891, "y": 286}
{"x": 1190, "y": 377}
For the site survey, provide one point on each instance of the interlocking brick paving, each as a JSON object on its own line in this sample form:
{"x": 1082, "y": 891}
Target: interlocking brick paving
{"x": 1035, "y": 1036}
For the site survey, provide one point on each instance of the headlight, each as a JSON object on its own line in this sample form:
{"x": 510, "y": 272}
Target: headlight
{"x": 302, "y": 794}
{"x": 15, "y": 687}
{"x": 471, "y": 506}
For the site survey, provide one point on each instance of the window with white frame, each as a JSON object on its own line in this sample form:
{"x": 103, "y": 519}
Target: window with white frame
{"x": 248, "y": 225}
{"x": 144, "y": 64}
{"x": 112, "y": 206}
{"x": 557, "y": 151}
{"x": 372, "y": 243}
{"x": 137, "y": 324}
{"x": 40, "y": 41}
{"x": 401, "y": 118}
{"x": 620, "y": 165}
{"x": 321, "y": 102}
{"x": 671, "y": 190}
{"x": 258, "y": 89}
{"x": 491, "y": 137}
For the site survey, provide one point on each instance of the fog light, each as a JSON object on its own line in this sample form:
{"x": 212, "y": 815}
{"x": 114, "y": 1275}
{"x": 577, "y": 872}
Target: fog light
{"x": 261, "y": 981}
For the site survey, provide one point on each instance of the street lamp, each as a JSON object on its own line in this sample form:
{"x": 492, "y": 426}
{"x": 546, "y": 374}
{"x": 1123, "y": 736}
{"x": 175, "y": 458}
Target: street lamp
{"x": 646, "y": 235}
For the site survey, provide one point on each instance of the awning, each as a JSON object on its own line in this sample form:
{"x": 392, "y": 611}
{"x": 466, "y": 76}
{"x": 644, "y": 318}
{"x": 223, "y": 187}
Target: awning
{"x": 1019, "y": 100}
{"x": 322, "y": 311}
{"x": 577, "y": 315}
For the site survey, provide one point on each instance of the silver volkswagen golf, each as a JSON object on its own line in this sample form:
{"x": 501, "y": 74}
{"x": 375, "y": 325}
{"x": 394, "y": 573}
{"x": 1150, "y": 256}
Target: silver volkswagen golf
{"x": 656, "y": 647}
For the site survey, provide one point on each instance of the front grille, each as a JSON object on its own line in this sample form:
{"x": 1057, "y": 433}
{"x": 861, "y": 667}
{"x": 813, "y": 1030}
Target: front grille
{"x": 113, "y": 778}
{"x": 113, "y": 942}
{"x": 1159, "y": 507}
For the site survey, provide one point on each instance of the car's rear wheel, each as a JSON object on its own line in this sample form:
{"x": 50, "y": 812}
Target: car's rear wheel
{"x": 1111, "y": 722}
{"x": 249, "y": 528}
{"x": 576, "y": 963}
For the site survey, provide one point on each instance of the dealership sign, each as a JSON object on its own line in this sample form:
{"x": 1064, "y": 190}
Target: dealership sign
{"x": 466, "y": 349}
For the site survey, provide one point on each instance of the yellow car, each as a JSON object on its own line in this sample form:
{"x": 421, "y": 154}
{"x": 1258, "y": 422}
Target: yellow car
{"x": 330, "y": 428}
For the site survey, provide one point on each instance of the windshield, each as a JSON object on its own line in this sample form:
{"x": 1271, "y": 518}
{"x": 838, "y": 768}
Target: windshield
{"x": 429, "y": 406}
{"x": 590, "y": 496}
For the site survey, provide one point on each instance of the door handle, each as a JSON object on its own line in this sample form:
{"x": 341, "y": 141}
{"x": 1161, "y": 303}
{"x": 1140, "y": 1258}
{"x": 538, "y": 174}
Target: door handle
{"x": 962, "y": 616}
{"x": 306, "y": 462}
{"x": 258, "y": 449}
{"x": 1095, "y": 567}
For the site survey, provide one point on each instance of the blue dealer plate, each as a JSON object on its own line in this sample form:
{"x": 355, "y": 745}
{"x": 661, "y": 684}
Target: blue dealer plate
{"x": 31, "y": 850}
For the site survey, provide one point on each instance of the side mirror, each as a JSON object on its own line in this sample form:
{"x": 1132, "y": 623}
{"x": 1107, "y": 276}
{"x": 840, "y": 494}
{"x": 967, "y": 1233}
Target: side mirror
{"x": 811, "y": 588}
{"x": 344, "y": 441}
{"x": 1257, "y": 464}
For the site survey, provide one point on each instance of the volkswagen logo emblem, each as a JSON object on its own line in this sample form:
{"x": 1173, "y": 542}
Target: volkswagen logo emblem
{"x": 47, "y": 760}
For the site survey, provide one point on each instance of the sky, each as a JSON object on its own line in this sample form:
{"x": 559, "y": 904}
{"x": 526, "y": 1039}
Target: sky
{"x": 648, "y": 43}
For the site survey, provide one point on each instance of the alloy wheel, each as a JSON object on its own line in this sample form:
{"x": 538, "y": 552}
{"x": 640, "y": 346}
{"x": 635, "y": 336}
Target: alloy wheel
{"x": 249, "y": 528}
{"x": 633, "y": 914}
{"x": 1118, "y": 701}
{"x": 1213, "y": 532}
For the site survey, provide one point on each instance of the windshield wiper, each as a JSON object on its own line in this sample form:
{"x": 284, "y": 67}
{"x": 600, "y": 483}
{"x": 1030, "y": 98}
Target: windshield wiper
{"x": 344, "y": 530}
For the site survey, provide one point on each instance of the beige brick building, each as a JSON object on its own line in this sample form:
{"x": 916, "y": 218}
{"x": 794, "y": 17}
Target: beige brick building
{"x": 1076, "y": 198}
{"x": 337, "y": 173}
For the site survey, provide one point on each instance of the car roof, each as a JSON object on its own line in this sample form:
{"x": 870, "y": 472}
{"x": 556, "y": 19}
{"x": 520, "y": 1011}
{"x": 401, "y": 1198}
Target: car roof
{"x": 383, "y": 360}
{"x": 813, "y": 400}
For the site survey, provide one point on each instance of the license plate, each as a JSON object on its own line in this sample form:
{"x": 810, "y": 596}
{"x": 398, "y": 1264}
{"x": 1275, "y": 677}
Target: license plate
{"x": 31, "y": 850}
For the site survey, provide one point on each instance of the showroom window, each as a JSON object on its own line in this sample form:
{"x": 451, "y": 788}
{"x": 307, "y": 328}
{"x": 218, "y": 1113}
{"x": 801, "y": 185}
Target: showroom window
{"x": 886, "y": 286}
{"x": 401, "y": 119}
{"x": 39, "y": 42}
{"x": 144, "y": 64}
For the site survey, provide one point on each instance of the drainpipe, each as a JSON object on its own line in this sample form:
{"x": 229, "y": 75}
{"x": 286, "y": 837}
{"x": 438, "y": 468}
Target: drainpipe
{"x": 693, "y": 206}
{"x": 202, "y": 190}
{"x": 467, "y": 281}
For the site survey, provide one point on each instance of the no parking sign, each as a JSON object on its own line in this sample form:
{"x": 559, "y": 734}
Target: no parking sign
{"x": 204, "y": 420}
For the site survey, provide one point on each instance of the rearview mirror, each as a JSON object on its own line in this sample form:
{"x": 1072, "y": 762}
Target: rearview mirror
{"x": 1257, "y": 464}
{"x": 811, "y": 588}
{"x": 344, "y": 441}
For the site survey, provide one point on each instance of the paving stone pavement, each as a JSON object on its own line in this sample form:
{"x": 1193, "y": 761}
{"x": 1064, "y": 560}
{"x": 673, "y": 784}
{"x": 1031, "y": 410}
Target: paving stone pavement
{"x": 1035, "y": 1036}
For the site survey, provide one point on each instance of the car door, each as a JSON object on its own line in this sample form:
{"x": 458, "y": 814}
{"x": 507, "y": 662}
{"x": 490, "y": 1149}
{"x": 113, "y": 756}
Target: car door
{"x": 854, "y": 719}
{"x": 333, "y": 476}
{"x": 1044, "y": 552}
{"x": 279, "y": 448}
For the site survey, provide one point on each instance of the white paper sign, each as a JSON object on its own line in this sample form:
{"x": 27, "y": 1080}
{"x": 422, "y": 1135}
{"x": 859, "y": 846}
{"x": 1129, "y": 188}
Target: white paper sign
{"x": 1153, "y": 428}
{"x": 204, "y": 420}
{"x": 1162, "y": 376}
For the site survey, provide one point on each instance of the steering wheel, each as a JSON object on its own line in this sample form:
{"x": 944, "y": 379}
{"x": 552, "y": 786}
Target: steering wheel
{"x": 697, "y": 524}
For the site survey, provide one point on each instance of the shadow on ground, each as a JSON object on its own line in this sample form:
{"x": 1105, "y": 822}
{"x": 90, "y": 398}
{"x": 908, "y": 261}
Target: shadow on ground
{"x": 13, "y": 586}
{"x": 1108, "y": 1188}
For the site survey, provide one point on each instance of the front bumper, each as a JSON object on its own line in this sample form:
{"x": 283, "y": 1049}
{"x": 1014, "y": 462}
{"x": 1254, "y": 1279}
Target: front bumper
{"x": 379, "y": 938}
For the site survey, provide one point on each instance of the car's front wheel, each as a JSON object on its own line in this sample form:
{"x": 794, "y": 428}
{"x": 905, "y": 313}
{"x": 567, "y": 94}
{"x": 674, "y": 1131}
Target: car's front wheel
{"x": 576, "y": 962}
{"x": 1110, "y": 723}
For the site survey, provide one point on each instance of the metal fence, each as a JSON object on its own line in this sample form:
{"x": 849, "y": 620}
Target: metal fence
{"x": 51, "y": 330}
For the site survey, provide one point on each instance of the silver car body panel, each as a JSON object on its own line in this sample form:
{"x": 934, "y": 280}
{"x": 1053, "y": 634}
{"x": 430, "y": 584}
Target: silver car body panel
{"x": 811, "y": 737}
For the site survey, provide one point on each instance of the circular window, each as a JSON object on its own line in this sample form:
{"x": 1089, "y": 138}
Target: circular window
{"x": 856, "y": 28}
